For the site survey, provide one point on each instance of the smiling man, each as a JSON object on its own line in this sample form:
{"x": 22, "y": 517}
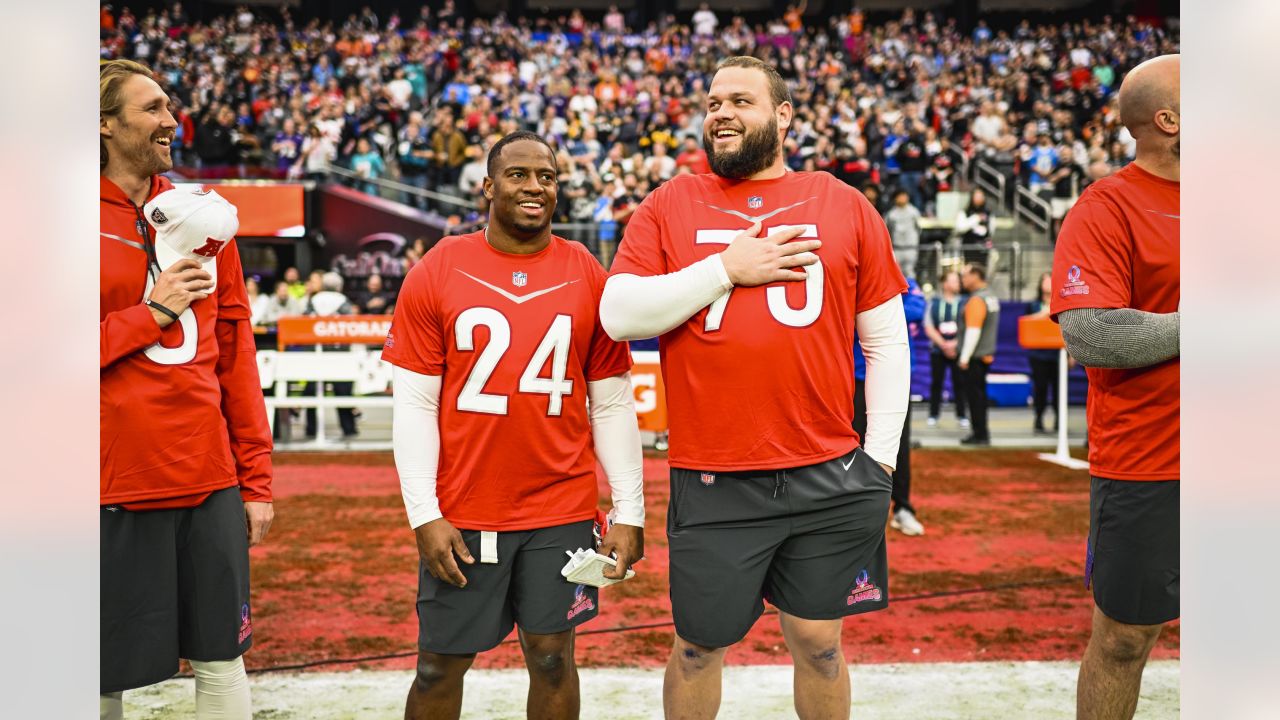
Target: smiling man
{"x": 186, "y": 450}
{"x": 497, "y": 349}
{"x": 773, "y": 495}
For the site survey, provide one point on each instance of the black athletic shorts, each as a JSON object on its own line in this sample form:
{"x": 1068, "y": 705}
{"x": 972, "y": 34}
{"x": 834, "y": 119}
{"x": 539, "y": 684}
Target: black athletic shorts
{"x": 1132, "y": 557}
{"x": 523, "y": 588}
{"x": 810, "y": 540}
{"x": 175, "y": 584}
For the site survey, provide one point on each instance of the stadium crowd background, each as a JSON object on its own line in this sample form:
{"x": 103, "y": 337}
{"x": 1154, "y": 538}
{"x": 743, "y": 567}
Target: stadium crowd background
{"x": 899, "y": 104}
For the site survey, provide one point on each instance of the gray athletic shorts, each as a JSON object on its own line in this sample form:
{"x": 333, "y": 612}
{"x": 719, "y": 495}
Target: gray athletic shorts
{"x": 174, "y": 584}
{"x": 810, "y": 540}
{"x": 1133, "y": 556}
{"x": 523, "y": 588}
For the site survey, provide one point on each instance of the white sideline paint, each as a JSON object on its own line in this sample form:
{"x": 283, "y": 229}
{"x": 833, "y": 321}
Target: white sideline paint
{"x": 926, "y": 691}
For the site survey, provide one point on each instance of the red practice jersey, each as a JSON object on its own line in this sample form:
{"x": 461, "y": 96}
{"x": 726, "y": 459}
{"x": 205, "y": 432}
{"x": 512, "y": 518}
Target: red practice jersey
{"x": 763, "y": 378}
{"x": 516, "y": 339}
{"x": 181, "y": 408}
{"x": 1119, "y": 249}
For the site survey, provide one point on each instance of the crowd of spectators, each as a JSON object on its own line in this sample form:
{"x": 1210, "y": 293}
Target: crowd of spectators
{"x": 896, "y": 109}
{"x": 421, "y": 98}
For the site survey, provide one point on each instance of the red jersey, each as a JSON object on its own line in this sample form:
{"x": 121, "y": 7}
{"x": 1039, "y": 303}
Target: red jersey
{"x": 763, "y": 378}
{"x": 1119, "y": 249}
{"x": 516, "y": 338}
{"x": 181, "y": 408}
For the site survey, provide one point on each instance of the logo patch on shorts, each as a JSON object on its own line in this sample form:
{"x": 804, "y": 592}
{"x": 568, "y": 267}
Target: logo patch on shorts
{"x": 863, "y": 589}
{"x": 581, "y": 603}
{"x": 246, "y": 626}
{"x": 708, "y": 479}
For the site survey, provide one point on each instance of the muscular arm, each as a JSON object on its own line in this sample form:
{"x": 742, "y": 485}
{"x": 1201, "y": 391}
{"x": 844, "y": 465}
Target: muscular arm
{"x": 616, "y": 436}
{"x": 634, "y": 307}
{"x": 882, "y": 331}
{"x": 1121, "y": 337}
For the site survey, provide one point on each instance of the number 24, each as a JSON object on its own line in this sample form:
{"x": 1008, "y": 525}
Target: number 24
{"x": 555, "y": 343}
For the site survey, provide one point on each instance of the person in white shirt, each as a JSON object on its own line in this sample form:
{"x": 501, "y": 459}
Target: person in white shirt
{"x": 705, "y": 21}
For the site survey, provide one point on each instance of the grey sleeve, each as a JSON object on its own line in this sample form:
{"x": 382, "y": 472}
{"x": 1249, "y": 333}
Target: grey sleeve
{"x": 1120, "y": 338}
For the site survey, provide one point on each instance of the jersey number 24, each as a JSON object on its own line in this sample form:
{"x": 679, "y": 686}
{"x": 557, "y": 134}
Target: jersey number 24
{"x": 555, "y": 343}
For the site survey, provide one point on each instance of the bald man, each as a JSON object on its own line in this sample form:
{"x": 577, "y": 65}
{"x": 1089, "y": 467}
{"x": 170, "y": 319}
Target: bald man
{"x": 1116, "y": 296}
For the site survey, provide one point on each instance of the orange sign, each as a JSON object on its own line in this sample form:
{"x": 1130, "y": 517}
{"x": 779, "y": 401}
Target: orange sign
{"x": 650, "y": 393}
{"x": 1039, "y": 333}
{"x": 333, "y": 330}
{"x": 265, "y": 209}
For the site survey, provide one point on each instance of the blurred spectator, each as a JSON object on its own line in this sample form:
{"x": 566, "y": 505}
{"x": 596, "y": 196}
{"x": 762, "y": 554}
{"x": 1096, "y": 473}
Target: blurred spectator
{"x": 257, "y": 301}
{"x": 872, "y": 192}
{"x": 318, "y": 151}
{"x": 979, "y": 322}
{"x": 903, "y": 220}
{"x": 328, "y": 301}
{"x": 281, "y": 303}
{"x": 975, "y": 226}
{"x": 1044, "y": 363}
{"x": 287, "y": 145}
{"x": 375, "y": 299}
{"x": 368, "y": 164}
{"x": 942, "y": 326}
{"x": 292, "y": 279}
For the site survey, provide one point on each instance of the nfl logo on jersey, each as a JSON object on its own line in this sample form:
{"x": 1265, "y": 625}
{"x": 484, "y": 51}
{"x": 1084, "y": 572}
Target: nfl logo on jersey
{"x": 755, "y": 202}
{"x": 519, "y": 279}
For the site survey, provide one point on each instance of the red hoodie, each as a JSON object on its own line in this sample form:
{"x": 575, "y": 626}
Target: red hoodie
{"x": 174, "y": 430}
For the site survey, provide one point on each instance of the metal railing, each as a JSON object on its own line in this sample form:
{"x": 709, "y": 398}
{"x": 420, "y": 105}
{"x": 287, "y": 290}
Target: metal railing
{"x": 1009, "y": 264}
{"x": 961, "y": 162}
{"x": 601, "y": 238}
{"x": 1033, "y": 209}
{"x": 395, "y": 190}
{"x": 992, "y": 182}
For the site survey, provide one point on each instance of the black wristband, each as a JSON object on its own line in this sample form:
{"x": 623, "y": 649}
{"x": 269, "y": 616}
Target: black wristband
{"x": 153, "y": 304}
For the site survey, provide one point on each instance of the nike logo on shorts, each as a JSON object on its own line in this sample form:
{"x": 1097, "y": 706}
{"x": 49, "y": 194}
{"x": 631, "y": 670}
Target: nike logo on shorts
{"x": 852, "y": 457}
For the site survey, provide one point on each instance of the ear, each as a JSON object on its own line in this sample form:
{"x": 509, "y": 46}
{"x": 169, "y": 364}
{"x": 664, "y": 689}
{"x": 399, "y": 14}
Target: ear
{"x": 488, "y": 188}
{"x": 785, "y": 113}
{"x": 104, "y": 126}
{"x": 1168, "y": 121}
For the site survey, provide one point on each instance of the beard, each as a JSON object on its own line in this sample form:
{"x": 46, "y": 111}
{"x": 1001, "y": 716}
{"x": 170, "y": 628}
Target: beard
{"x": 757, "y": 151}
{"x": 141, "y": 153}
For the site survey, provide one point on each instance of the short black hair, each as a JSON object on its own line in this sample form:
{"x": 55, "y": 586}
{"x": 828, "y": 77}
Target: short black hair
{"x": 516, "y": 136}
{"x": 978, "y": 269}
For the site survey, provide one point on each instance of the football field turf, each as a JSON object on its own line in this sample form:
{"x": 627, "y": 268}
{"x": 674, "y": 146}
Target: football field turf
{"x": 988, "y": 616}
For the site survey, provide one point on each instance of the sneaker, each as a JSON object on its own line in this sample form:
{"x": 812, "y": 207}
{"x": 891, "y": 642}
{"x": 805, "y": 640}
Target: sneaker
{"x": 975, "y": 440}
{"x": 905, "y": 522}
{"x": 933, "y": 422}
{"x": 964, "y": 422}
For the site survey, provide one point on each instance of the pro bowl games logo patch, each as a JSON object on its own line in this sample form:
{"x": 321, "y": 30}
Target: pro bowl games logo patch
{"x": 581, "y": 602}
{"x": 246, "y": 627}
{"x": 519, "y": 279}
{"x": 158, "y": 217}
{"x": 863, "y": 589}
{"x": 1073, "y": 285}
{"x": 755, "y": 202}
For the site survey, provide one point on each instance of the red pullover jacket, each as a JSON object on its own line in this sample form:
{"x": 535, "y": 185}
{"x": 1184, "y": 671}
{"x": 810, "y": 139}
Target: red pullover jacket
{"x": 178, "y": 425}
